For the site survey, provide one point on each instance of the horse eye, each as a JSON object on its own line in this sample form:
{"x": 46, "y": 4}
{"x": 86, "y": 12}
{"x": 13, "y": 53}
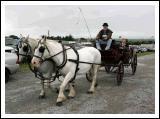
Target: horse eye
{"x": 41, "y": 49}
{"x": 25, "y": 49}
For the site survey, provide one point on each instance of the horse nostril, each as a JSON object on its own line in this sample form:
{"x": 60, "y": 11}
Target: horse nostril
{"x": 33, "y": 61}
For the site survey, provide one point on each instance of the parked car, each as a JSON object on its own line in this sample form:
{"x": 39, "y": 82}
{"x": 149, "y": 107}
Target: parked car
{"x": 11, "y": 42}
{"x": 11, "y": 64}
{"x": 144, "y": 49}
{"x": 9, "y": 49}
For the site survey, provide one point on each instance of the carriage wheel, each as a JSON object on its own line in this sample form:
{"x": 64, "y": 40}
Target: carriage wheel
{"x": 107, "y": 68}
{"x": 120, "y": 73}
{"x": 134, "y": 64}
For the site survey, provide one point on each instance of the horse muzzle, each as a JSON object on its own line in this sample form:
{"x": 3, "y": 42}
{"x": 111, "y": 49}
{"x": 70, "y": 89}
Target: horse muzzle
{"x": 36, "y": 63}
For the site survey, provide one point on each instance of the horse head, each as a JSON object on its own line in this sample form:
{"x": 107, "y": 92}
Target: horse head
{"x": 24, "y": 48}
{"x": 41, "y": 52}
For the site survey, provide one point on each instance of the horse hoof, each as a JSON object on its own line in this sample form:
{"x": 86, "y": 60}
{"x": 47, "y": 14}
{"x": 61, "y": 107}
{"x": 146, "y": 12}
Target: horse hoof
{"x": 42, "y": 96}
{"x": 59, "y": 104}
{"x": 67, "y": 90}
{"x": 90, "y": 92}
{"x": 70, "y": 97}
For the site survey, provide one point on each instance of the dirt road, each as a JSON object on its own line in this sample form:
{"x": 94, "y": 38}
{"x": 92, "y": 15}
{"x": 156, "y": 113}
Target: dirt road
{"x": 135, "y": 95}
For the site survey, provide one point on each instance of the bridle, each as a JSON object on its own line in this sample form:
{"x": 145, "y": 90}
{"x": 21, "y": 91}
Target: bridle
{"x": 42, "y": 49}
{"x": 27, "y": 49}
{"x": 28, "y": 53}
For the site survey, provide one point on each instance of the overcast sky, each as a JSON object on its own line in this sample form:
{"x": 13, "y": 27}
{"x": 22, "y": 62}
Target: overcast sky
{"x": 131, "y": 21}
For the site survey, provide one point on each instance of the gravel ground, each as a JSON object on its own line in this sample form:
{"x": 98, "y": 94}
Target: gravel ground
{"x": 136, "y": 95}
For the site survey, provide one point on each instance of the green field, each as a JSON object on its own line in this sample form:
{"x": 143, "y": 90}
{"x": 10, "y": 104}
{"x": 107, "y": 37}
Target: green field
{"x": 144, "y": 53}
{"x": 24, "y": 67}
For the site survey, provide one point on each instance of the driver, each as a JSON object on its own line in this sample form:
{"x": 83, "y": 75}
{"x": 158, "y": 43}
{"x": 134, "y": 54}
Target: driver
{"x": 104, "y": 37}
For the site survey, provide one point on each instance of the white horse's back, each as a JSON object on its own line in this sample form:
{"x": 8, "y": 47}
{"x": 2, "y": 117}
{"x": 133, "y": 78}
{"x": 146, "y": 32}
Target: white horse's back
{"x": 90, "y": 54}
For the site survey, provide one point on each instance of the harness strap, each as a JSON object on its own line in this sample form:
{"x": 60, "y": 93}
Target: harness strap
{"x": 58, "y": 67}
{"x": 64, "y": 58}
{"x": 77, "y": 65}
{"x": 40, "y": 76}
{"x": 61, "y": 65}
{"x": 57, "y": 53}
{"x": 72, "y": 60}
{"x": 23, "y": 54}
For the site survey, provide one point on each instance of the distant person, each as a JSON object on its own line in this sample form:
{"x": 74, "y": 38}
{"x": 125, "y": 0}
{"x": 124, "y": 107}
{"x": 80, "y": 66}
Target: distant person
{"x": 104, "y": 37}
{"x": 124, "y": 42}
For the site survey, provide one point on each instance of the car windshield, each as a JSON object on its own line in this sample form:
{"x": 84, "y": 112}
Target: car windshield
{"x": 10, "y": 42}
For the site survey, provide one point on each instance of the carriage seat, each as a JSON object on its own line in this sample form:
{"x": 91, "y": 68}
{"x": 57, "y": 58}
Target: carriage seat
{"x": 115, "y": 44}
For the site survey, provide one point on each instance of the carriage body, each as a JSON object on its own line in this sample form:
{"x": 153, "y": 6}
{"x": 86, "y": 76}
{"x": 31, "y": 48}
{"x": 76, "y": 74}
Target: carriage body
{"x": 119, "y": 57}
{"x": 110, "y": 57}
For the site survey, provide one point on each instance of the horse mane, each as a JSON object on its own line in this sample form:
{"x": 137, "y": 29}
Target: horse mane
{"x": 33, "y": 42}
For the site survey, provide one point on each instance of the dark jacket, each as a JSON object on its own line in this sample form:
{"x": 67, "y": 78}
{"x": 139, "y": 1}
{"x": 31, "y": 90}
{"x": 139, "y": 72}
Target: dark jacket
{"x": 102, "y": 32}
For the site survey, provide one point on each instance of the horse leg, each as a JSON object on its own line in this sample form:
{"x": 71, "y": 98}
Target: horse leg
{"x": 42, "y": 93}
{"x": 94, "y": 78}
{"x": 89, "y": 73}
{"x": 61, "y": 96}
{"x": 72, "y": 92}
{"x": 48, "y": 84}
{"x": 67, "y": 88}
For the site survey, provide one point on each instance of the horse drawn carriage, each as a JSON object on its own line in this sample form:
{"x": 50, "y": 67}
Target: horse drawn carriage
{"x": 77, "y": 61}
{"x": 118, "y": 57}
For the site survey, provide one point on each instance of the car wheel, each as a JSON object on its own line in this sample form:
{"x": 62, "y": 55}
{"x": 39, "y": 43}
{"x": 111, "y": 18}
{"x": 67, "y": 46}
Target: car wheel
{"x": 6, "y": 76}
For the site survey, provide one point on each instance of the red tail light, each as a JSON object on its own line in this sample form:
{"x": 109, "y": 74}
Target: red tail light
{"x": 17, "y": 62}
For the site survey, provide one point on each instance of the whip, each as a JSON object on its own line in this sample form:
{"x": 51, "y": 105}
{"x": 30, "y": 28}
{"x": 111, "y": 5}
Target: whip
{"x": 85, "y": 22}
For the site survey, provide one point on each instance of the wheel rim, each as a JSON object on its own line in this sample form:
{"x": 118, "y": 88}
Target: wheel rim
{"x": 120, "y": 73}
{"x": 107, "y": 68}
{"x": 134, "y": 64}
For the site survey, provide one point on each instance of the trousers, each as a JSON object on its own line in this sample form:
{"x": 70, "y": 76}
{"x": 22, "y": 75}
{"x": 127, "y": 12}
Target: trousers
{"x": 107, "y": 42}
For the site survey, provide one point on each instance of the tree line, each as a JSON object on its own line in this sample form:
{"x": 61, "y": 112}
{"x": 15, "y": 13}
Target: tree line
{"x": 71, "y": 38}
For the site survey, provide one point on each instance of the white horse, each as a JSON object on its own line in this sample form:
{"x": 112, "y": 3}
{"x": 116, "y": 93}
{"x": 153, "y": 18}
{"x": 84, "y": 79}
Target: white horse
{"x": 87, "y": 54}
{"x": 26, "y": 48}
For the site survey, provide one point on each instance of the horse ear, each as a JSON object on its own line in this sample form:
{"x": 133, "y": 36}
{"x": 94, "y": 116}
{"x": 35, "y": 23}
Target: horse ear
{"x": 44, "y": 39}
{"x": 26, "y": 39}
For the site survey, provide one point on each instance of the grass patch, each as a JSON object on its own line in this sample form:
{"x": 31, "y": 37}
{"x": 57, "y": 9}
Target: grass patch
{"x": 144, "y": 53}
{"x": 24, "y": 67}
